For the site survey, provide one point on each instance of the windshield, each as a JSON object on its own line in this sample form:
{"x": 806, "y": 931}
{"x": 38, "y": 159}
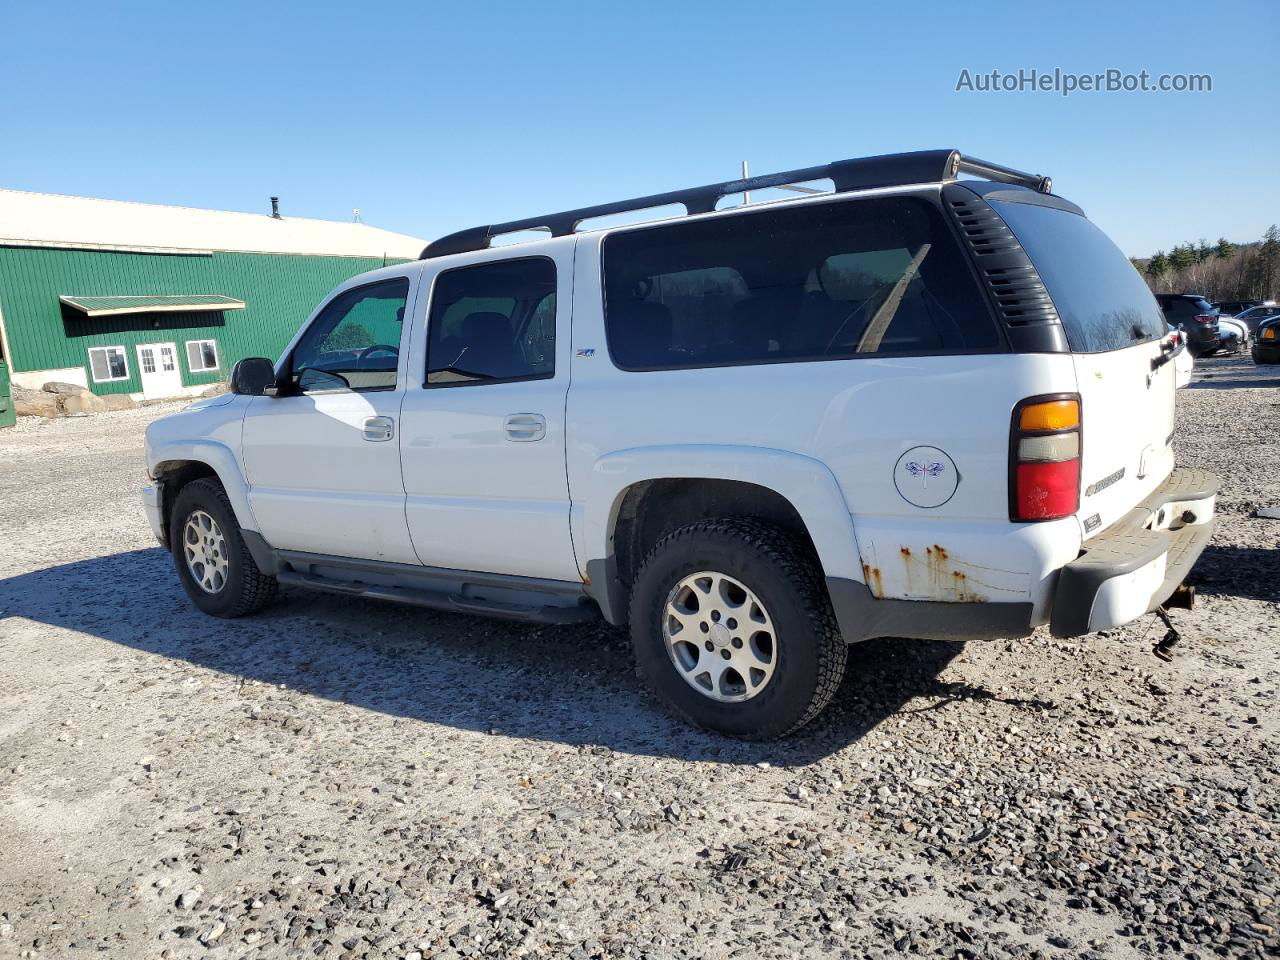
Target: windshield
{"x": 1103, "y": 302}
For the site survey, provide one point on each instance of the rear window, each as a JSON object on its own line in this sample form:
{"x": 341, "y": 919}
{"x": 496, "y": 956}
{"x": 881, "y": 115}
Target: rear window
{"x": 1103, "y": 302}
{"x": 815, "y": 282}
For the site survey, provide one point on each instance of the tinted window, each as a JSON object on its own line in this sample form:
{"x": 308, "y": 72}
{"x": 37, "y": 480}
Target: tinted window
{"x": 816, "y": 282}
{"x": 354, "y": 344}
{"x": 1103, "y": 302}
{"x": 493, "y": 322}
{"x": 1181, "y": 309}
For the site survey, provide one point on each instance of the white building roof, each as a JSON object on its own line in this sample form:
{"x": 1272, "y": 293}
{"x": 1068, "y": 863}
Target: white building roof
{"x": 54, "y": 220}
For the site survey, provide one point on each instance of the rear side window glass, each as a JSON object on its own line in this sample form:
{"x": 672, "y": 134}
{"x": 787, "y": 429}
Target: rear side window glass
{"x": 1103, "y": 302}
{"x": 494, "y": 322}
{"x": 815, "y": 282}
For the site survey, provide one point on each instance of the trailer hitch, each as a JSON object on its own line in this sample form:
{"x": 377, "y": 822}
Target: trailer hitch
{"x": 1164, "y": 649}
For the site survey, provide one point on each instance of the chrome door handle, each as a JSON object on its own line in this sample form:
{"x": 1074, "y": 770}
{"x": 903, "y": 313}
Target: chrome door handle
{"x": 378, "y": 429}
{"x": 525, "y": 427}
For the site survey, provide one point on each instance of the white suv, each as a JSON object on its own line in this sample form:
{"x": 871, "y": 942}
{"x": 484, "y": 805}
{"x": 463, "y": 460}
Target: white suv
{"x": 913, "y": 406}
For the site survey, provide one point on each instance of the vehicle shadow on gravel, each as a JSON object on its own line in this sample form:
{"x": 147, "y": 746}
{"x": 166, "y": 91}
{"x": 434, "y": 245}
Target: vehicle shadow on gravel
{"x": 573, "y": 685}
{"x": 1249, "y": 572}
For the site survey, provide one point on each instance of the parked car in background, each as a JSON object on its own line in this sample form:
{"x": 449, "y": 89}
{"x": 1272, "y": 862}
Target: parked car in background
{"x": 1196, "y": 318}
{"x": 1233, "y": 307}
{"x": 917, "y": 406}
{"x": 1233, "y": 333}
{"x": 1266, "y": 342}
{"x": 1256, "y": 315}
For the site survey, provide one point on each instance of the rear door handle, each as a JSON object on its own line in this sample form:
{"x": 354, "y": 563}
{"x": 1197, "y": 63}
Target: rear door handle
{"x": 525, "y": 427}
{"x": 378, "y": 429}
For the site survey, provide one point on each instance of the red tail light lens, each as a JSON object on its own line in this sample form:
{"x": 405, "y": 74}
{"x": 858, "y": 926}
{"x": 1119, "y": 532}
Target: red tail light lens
{"x": 1205, "y": 318}
{"x": 1044, "y": 458}
{"x": 1047, "y": 491}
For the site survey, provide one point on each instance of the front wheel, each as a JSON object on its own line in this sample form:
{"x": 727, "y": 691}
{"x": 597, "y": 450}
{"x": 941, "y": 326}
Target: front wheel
{"x": 213, "y": 562}
{"x": 732, "y": 626}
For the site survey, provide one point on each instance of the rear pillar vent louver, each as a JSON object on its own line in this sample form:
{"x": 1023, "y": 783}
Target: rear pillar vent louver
{"x": 1017, "y": 292}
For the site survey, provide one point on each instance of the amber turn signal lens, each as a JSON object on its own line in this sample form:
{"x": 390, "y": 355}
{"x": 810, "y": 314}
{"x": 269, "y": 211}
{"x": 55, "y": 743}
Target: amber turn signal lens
{"x": 1269, "y": 333}
{"x": 1050, "y": 415}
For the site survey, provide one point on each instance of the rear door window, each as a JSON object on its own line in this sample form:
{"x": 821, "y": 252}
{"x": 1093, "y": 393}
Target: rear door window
{"x": 1103, "y": 302}
{"x": 493, "y": 323}
{"x": 814, "y": 282}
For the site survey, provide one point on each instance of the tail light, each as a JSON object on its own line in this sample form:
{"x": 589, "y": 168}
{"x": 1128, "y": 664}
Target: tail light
{"x": 1044, "y": 458}
{"x": 1206, "y": 318}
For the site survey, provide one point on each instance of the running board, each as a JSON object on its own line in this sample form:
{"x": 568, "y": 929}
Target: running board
{"x": 555, "y": 613}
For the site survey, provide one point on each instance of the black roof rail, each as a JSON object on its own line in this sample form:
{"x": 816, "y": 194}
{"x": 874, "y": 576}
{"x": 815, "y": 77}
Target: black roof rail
{"x": 863, "y": 173}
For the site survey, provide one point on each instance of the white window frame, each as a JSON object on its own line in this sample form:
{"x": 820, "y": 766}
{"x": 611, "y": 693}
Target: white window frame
{"x": 217, "y": 358}
{"x": 124, "y": 354}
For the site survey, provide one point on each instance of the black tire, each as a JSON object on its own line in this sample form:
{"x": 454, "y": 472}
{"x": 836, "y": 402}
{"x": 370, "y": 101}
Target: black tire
{"x": 784, "y": 575}
{"x": 246, "y": 589}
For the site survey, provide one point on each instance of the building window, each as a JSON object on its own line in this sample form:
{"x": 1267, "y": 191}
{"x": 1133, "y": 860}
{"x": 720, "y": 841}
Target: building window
{"x": 108, "y": 364}
{"x": 202, "y": 355}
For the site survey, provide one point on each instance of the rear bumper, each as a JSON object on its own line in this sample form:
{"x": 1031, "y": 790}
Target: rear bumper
{"x": 1133, "y": 567}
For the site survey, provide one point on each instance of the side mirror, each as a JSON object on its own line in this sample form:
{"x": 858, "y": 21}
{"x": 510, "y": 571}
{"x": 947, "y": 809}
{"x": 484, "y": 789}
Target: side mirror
{"x": 252, "y": 376}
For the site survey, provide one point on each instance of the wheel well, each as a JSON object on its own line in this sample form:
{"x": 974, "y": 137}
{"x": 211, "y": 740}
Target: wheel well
{"x": 173, "y": 475}
{"x": 653, "y": 508}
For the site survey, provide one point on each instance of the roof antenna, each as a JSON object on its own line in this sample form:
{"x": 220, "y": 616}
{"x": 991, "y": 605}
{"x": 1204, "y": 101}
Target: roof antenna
{"x": 275, "y": 208}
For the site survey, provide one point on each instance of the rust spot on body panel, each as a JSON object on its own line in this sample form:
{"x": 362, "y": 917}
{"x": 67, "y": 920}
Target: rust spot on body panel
{"x": 873, "y": 578}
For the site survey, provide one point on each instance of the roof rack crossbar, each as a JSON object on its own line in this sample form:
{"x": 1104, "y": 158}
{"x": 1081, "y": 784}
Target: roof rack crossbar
{"x": 863, "y": 173}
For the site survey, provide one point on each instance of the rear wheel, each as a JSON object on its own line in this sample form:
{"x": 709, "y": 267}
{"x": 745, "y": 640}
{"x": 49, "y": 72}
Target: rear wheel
{"x": 732, "y": 627}
{"x": 212, "y": 560}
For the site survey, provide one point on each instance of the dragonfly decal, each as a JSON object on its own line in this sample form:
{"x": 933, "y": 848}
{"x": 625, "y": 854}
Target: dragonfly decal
{"x": 924, "y": 471}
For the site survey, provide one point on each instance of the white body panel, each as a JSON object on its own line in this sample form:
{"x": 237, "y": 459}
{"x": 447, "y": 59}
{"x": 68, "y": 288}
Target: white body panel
{"x": 1128, "y": 426}
{"x": 317, "y": 483}
{"x": 812, "y": 430}
{"x": 480, "y": 497}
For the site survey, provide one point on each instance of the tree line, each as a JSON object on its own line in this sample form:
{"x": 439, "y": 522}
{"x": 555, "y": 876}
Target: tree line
{"x": 1220, "y": 271}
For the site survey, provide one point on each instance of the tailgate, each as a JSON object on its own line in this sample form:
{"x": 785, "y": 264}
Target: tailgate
{"x": 1127, "y": 402}
{"x": 1122, "y": 353}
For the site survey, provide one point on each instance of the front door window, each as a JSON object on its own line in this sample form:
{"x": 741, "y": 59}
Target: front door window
{"x": 354, "y": 343}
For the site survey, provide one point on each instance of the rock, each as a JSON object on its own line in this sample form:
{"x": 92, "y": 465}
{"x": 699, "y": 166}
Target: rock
{"x": 216, "y": 390}
{"x": 64, "y": 388}
{"x": 117, "y": 401}
{"x": 188, "y": 898}
{"x": 34, "y": 403}
{"x": 1268, "y": 513}
{"x": 80, "y": 403}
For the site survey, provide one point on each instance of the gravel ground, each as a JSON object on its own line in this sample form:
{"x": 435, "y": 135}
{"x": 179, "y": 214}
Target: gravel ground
{"x": 339, "y": 778}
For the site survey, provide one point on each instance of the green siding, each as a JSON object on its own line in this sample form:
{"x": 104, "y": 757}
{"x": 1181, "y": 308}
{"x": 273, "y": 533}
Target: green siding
{"x": 280, "y": 292}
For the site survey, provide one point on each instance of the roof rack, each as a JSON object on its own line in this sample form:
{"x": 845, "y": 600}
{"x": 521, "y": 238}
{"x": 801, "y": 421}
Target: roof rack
{"x": 863, "y": 173}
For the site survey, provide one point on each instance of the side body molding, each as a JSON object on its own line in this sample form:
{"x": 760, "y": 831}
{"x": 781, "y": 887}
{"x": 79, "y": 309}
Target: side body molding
{"x": 806, "y": 483}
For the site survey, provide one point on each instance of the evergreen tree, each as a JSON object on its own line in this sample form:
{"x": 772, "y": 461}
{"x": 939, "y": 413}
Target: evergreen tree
{"x": 1268, "y": 262}
{"x": 1181, "y": 257}
{"x": 1158, "y": 265}
{"x": 1203, "y": 250}
{"x": 1224, "y": 249}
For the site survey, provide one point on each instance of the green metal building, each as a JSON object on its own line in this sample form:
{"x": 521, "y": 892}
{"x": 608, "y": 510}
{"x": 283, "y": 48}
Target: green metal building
{"x": 159, "y": 301}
